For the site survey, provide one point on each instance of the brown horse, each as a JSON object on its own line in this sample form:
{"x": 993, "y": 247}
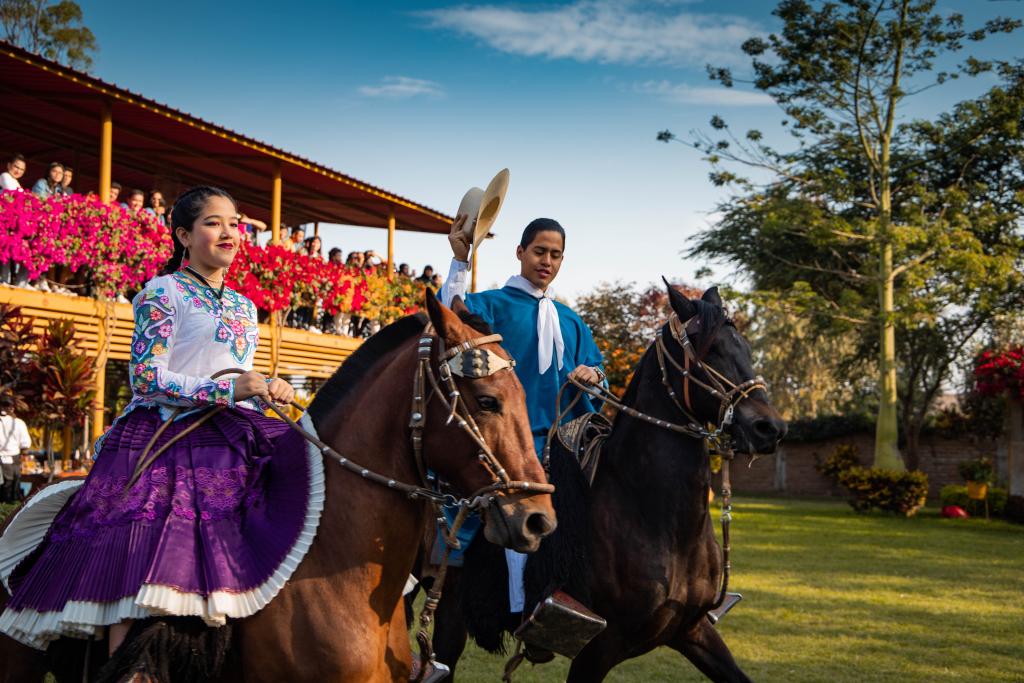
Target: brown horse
{"x": 340, "y": 617}
{"x": 637, "y": 545}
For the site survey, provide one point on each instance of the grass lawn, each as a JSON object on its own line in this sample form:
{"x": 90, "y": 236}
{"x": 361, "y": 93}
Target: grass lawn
{"x": 834, "y": 596}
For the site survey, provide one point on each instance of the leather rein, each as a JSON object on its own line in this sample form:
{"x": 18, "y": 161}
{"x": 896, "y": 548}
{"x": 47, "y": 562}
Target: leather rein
{"x": 728, "y": 393}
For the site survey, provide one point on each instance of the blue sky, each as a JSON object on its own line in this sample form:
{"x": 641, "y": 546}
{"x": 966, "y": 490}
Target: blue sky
{"x": 427, "y": 99}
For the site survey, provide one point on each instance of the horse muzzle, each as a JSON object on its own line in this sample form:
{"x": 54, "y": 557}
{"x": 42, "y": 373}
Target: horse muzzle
{"x": 519, "y": 521}
{"x": 758, "y": 430}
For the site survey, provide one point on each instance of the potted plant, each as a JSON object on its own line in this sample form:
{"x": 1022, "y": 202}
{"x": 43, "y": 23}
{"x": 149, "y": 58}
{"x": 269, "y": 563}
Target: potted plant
{"x": 977, "y": 473}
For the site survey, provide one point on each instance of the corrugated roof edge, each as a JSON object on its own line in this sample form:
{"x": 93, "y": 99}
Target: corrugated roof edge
{"x": 137, "y": 99}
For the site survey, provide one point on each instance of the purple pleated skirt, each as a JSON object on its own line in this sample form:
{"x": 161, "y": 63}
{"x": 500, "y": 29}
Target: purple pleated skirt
{"x": 214, "y": 528}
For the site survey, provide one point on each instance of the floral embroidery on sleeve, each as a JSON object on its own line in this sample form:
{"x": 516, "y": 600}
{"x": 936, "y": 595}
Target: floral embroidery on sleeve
{"x": 151, "y": 342}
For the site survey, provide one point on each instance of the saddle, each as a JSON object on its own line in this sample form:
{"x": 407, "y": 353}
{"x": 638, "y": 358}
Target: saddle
{"x": 584, "y": 438}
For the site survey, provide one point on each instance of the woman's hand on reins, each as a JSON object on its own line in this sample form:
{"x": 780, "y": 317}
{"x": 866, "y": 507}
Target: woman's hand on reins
{"x": 280, "y": 391}
{"x": 254, "y": 383}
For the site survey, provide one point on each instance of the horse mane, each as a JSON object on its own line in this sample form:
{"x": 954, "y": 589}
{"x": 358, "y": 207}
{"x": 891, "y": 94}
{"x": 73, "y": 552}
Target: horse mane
{"x": 359, "y": 364}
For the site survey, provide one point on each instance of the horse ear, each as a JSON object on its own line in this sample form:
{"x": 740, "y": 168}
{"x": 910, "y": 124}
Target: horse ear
{"x": 712, "y": 297}
{"x": 683, "y": 307}
{"x": 459, "y": 306}
{"x": 441, "y": 317}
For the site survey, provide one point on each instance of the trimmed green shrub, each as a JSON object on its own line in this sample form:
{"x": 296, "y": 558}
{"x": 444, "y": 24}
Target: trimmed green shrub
{"x": 979, "y": 470}
{"x": 843, "y": 458}
{"x": 889, "y": 490}
{"x": 955, "y": 494}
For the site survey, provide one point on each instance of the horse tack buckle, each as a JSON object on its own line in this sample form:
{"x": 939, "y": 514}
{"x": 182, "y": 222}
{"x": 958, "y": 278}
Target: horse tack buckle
{"x": 476, "y": 363}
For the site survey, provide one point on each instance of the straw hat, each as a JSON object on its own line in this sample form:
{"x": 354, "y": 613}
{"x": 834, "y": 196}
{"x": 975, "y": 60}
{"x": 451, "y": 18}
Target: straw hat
{"x": 482, "y": 206}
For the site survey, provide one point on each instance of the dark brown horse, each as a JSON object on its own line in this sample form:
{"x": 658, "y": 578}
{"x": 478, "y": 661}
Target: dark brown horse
{"x": 340, "y": 617}
{"x": 638, "y": 546}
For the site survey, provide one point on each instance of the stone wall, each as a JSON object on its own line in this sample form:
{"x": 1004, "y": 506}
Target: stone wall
{"x": 793, "y": 470}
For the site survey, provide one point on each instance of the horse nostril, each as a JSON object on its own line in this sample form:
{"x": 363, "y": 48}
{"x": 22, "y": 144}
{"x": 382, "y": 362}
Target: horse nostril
{"x": 538, "y": 524}
{"x": 767, "y": 429}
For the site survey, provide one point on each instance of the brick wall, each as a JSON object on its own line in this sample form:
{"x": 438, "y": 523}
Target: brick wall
{"x": 793, "y": 471}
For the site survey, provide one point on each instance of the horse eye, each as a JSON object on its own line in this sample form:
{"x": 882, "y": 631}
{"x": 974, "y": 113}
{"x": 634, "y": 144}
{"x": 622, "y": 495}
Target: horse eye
{"x": 488, "y": 404}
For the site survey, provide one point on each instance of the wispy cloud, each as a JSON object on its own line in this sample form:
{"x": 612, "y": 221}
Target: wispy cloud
{"x": 606, "y": 31}
{"x": 402, "y": 88}
{"x": 680, "y": 93}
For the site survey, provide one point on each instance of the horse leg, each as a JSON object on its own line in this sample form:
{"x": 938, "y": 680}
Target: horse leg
{"x": 595, "y": 660}
{"x": 708, "y": 652}
{"x": 449, "y": 639}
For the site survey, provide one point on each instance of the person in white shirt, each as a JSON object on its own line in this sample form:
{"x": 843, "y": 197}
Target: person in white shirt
{"x": 16, "y": 168}
{"x": 14, "y": 442}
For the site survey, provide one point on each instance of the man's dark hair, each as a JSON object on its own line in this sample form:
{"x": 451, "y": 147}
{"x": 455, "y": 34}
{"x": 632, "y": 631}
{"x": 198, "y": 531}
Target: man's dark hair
{"x": 17, "y": 157}
{"x": 426, "y": 268}
{"x": 541, "y": 225}
{"x": 297, "y": 228}
{"x": 115, "y": 185}
{"x": 56, "y": 164}
{"x": 136, "y": 192}
{"x": 333, "y": 251}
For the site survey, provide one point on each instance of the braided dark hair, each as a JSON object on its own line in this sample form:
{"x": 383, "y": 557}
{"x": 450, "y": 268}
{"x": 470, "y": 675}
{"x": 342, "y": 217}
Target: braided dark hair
{"x": 187, "y": 208}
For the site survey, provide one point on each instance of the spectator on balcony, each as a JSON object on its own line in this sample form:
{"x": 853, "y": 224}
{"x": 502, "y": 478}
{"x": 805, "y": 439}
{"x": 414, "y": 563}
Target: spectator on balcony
{"x": 404, "y": 270}
{"x": 249, "y": 227}
{"x": 372, "y": 259}
{"x": 136, "y": 200}
{"x": 158, "y": 207}
{"x": 312, "y": 247}
{"x": 15, "y": 169}
{"x": 356, "y": 260}
{"x": 295, "y": 242}
{"x": 435, "y": 282}
{"x": 428, "y": 272}
{"x": 66, "y": 182}
{"x": 51, "y": 185}
{"x": 336, "y": 256}
{"x": 115, "y": 192}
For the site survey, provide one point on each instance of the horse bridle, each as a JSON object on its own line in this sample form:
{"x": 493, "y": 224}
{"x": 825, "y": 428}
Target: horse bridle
{"x": 721, "y": 387}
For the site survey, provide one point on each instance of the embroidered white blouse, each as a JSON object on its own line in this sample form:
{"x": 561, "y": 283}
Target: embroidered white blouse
{"x": 184, "y": 334}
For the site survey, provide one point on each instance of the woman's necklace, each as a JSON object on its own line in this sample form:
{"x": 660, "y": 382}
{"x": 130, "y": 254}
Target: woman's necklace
{"x": 195, "y": 273}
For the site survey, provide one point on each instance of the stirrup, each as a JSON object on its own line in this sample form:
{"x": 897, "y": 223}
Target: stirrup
{"x": 436, "y": 671}
{"x": 560, "y": 624}
{"x": 730, "y": 601}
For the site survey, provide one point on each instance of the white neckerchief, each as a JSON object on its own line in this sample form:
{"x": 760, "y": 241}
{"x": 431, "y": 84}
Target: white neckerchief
{"x": 549, "y": 332}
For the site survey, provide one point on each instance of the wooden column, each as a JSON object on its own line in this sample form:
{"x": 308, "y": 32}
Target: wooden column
{"x": 100, "y": 381}
{"x": 316, "y": 229}
{"x": 391, "y": 243}
{"x": 100, "y": 375}
{"x": 275, "y": 207}
{"x": 106, "y": 151}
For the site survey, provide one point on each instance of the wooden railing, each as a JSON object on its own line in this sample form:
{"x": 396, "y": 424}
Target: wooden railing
{"x": 105, "y": 329}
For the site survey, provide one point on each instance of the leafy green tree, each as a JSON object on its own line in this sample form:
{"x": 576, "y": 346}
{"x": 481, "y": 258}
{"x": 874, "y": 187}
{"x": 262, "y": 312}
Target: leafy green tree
{"x": 867, "y": 225}
{"x": 51, "y": 29}
{"x": 624, "y": 319}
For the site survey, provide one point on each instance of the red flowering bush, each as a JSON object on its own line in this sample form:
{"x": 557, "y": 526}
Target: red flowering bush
{"x": 1000, "y": 372}
{"x": 119, "y": 251}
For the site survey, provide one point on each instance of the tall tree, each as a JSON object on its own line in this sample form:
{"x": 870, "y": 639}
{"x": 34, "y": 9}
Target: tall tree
{"x": 51, "y": 29}
{"x": 852, "y": 223}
